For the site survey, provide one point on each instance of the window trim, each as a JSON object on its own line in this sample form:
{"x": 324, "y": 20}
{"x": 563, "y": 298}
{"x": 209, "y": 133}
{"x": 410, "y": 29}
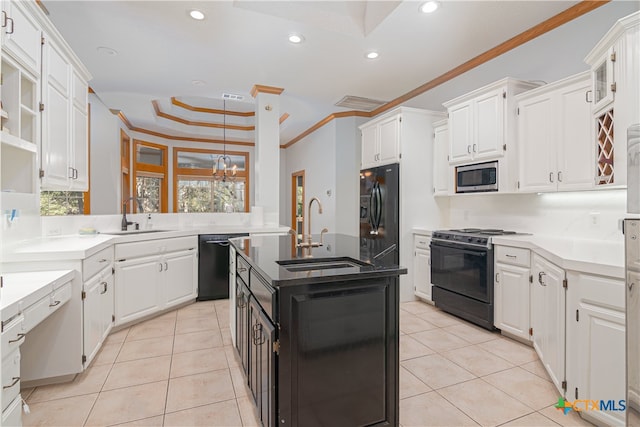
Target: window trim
{"x": 207, "y": 173}
{"x": 154, "y": 171}
{"x": 125, "y": 169}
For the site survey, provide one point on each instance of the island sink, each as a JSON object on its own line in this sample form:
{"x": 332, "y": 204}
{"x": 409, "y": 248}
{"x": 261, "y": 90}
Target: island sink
{"x": 307, "y": 264}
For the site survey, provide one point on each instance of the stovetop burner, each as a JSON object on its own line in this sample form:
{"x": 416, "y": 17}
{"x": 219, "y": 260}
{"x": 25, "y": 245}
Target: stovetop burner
{"x": 481, "y": 231}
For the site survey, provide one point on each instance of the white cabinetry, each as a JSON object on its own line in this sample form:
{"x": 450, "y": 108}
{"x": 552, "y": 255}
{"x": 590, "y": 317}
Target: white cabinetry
{"x": 481, "y": 123}
{"x": 548, "y": 297}
{"x": 381, "y": 142}
{"x": 596, "y": 344}
{"x": 64, "y": 124}
{"x": 21, "y": 35}
{"x": 97, "y": 302}
{"x": 615, "y": 67}
{"x": 442, "y": 172}
{"x": 154, "y": 275}
{"x": 422, "y": 266}
{"x": 511, "y": 291}
{"x": 555, "y": 137}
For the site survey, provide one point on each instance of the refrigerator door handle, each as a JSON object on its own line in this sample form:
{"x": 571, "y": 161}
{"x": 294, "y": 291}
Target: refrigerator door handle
{"x": 378, "y": 206}
{"x": 371, "y": 210}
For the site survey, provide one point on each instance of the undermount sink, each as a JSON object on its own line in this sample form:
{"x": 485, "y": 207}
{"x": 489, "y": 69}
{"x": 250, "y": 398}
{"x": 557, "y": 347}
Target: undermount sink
{"x": 311, "y": 264}
{"x": 129, "y": 232}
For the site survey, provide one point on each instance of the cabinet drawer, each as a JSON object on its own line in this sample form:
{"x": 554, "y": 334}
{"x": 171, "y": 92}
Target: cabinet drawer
{"x": 13, "y": 335}
{"x": 42, "y": 309}
{"x": 513, "y": 256}
{"x": 12, "y": 416}
{"x": 421, "y": 242}
{"x": 10, "y": 378}
{"x": 154, "y": 247}
{"x": 96, "y": 262}
{"x": 242, "y": 268}
{"x": 264, "y": 294}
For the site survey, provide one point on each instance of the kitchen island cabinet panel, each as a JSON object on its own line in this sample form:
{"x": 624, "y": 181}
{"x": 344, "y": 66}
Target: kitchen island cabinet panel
{"x": 262, "y": 357}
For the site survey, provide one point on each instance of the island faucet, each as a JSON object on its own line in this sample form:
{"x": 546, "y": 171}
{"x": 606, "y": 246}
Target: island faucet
{"x": 306, "y": 240}
{"x": 126, "y": 223}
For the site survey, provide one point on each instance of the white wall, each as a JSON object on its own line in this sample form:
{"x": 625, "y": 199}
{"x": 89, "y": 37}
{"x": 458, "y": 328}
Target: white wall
{"x": 347, "y": 187}
{"x": 105, "y": 158}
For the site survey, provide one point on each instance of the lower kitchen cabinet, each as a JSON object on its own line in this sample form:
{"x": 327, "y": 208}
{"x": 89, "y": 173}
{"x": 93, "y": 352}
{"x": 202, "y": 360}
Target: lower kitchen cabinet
{"x": 242, "y": 325}
{"x": 548, "y": 297}
{"x": 422, "y": 266}
{"x": 511, "y": 291}
{"x": 138, "y": 291}
{"x": 262, "y": 359}
{"x": 596, "y": 344}
{"x": 180, "y": 277}
{"x": 98, "y": 311}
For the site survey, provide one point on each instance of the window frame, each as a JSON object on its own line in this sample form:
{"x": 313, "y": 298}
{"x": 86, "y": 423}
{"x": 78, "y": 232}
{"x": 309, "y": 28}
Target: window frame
{"x": 207, "y": 173}
{"x": 152, "y": 171}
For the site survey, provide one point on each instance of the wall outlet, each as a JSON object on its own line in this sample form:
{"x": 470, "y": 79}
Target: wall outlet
{"x": 54, "y": 231}
{"x": 594, "y": 218}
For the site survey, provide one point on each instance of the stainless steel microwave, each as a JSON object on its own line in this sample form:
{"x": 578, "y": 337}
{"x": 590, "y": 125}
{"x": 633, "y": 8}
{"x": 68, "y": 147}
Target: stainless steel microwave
{"x": 477, "y": 178}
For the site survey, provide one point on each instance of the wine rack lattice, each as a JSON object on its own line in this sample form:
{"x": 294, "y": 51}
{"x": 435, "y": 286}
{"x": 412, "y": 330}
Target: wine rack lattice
{"x": 604, "y": 173}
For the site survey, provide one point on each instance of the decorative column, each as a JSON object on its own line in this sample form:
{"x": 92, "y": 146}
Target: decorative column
{"x": 266, "y": 179}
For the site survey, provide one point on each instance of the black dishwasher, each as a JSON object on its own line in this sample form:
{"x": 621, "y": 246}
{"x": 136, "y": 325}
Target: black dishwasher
{"x": 213, "y": 265}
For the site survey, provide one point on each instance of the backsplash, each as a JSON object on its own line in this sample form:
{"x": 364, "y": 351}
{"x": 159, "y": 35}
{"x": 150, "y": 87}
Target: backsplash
{"x": 585, "y": 214}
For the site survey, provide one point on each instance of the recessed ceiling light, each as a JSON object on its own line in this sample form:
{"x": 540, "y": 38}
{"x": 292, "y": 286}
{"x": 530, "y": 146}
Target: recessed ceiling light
{"x": 372, "y": 55}
{"x": 429, "y": 7}
{"x": 296, "y": 38}
{"x": 198, "y": 82}
{"x": 107, "y": 51}
{"x": 196, "y": 14}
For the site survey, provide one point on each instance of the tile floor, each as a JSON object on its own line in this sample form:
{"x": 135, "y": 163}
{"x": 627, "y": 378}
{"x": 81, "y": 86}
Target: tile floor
{"x": 165, "y": 372}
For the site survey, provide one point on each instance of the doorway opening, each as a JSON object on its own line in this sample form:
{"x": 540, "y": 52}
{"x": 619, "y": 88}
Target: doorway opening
{"x": 297, "y": 203}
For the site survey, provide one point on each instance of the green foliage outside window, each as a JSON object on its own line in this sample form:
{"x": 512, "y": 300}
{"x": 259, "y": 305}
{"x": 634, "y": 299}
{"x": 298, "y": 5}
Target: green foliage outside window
{"x": 61, "y": 203}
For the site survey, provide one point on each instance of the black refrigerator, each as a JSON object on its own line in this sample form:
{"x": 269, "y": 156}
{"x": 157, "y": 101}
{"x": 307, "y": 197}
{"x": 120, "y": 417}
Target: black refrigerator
{"x": 379, "y": 214}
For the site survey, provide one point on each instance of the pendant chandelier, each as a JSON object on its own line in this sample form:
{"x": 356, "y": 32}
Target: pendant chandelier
{"x": 223, "y": 169}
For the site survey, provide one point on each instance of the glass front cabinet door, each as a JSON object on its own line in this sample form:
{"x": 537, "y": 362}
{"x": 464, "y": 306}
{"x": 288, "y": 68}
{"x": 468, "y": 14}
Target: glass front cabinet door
{"x": 603, "y": 83}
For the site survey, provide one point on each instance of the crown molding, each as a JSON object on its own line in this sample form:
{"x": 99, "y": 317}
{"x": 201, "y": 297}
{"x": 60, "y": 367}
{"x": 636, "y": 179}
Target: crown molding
{"x": 256, "y": 89}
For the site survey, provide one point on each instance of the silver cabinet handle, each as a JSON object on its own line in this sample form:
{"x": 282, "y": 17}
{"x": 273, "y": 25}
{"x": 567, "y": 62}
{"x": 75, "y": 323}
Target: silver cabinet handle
{"x": 540, "y": 277}
{"x": 104, "y": 291}
{"x": 55, "y": 303}
{"x": 70, "y": 172}
{"x": 511, "y": 256}
{"x": 15, "y": 381}
{"x": 468, "y": 149}
{"x": 102, "y": 260}
{"x": 559, "y": 176}
{"x": 241, "y": 269}
{"x": 474, "y": 148}
{"x": 9, "y": 20}
{"x": 160, "y": 264}
{"x": 630, "y": 286}
{"x": 497, "y": 277}
{"x": 18, "y": 338}
{"x": 166, "y": 266}
{"x": 587, "y": 98}
{"x": 550, "y": 176}
{"x": 4, "y": 19}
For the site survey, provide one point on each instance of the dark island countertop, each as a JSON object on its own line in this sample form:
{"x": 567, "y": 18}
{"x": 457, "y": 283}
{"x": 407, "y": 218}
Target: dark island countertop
{"x": 280, "y": 262}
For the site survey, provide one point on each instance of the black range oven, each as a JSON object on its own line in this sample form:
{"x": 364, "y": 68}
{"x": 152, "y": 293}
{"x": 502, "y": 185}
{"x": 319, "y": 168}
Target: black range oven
{"x": 462, "y": 273}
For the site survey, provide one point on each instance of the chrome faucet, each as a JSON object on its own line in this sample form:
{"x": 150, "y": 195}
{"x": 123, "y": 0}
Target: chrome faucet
{"x": 307, "y": 240}
{"x": 125, "y": 224}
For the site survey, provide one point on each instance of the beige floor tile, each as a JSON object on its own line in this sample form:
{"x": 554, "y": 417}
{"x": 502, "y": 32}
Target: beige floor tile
{"x": 410, "y": 385}
{"x": 532, "y": 420}
{"x": 433, "y": 410}
{"x": 472, "y": 333}
{"x": 226, "y": 336}
{"x": 440, "y": 318}
{"x": 88, "y": 382}
{"x": 239, "y": 382}
{"x": 477, "y": 360}
{"x": 70, "y": 411}
{"x": 168, "y": 315}
{"x": 198, "y": 309}
{"x": 197, "y": 341}
{"x": 436, "y": 371}
{"x": 221, "y": 302}
{"x": 107, "y": 354}
{"x": 196, "y": 324}
{"x": 223, "y": 414}
{"x": 26, "y": 392}
{"x": 145, "y": 422}
{"x": 135, "y": 372}
{"x": 248, "y": 412}
{"x": 115, "y": 337}
{"x": 152, "y": 329}
{"x": 440, "y": 340}
{"x": 572, "y": 418}
{"x": 129, "y": 404}
{"x": 233, "y": 358}
{"x": 142, "y": 349}
{"x": 410, "y": 323}
{"x": 537, "y": 368}
{"x": 201, "y": 389}
{"x": 198, "y": 361}
{"x": 416, "y": 307}
{"x": 410, "y": 348}
{"x": 486, "y": 404}
{"x": 222, "y": 314}
{"x": 528, "y": 388}
{"x": 511, "y": 350}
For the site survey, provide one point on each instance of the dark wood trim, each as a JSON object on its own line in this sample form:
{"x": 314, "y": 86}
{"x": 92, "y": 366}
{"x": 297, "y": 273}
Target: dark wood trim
{"x": 323, "y": 122}
{"x": 190, "y": 107}
{"x": 552, "y": 23}
{"x": 87, "y": 194}
{"x": 154, "y": 169}
{"x": 284, "y": 117}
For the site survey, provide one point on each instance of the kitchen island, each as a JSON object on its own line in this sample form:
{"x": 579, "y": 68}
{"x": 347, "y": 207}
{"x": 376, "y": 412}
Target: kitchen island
{"x": 316, "y": 330}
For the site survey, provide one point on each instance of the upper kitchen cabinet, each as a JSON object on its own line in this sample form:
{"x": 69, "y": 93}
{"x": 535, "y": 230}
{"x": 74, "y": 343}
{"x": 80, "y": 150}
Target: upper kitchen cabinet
{"x": 615, "y": 96}
{"x": 555, "y": 136}
{"x": 442, "y": 172}
{"x": 21, "y": 34}
{"x": 64, "y": 119}
{"x": 381, "y": 142}
{"x": 482, "y": 122}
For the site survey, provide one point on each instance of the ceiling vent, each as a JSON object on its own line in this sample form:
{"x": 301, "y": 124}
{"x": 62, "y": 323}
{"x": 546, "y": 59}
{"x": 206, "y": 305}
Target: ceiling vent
{"x": 232, "y": 97}
{"x": 358, "y": 103}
